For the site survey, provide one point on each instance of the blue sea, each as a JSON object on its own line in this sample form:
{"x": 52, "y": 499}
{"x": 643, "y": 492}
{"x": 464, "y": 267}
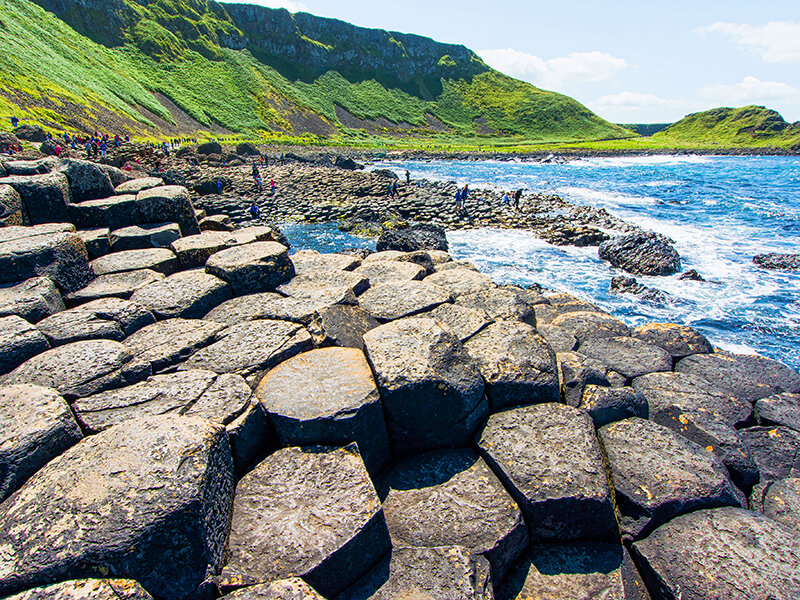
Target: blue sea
{"x": 720, "y": 211}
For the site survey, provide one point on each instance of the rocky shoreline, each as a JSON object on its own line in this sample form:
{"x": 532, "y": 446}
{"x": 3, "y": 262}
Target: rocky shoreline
{"x": 190, "y": 411}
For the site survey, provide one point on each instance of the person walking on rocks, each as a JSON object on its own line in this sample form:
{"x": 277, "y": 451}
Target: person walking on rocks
{"x": 254, "y": 210}
{"x": 394, "y": 189}
{"x": 517, "y": 196}
{"x": 219, "y": 186}
{"x": 14, "y": 122}
{"x": 257, "y": 177}
{"x": 389, "y": 191}
{"x": 458, "y": 198}
{"x": 408, "y": 177}
{"x": 506, "y": 201}
{"x": 272, "y": 185}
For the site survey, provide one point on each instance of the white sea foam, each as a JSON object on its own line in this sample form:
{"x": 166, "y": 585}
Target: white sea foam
{"x": 638, "y": 161}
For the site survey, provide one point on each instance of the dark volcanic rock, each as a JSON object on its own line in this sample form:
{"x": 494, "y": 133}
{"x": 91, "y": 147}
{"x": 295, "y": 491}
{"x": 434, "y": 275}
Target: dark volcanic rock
{"x": 81, "y": 369}
{"x": 19, "y": 341}
{"x": 106, "y": 318}
{"x": 166, "y": 343}
{"x": 305, "y": 512}
{"x": 96, "y": 241}
{"x": 168, "y": 204}
{"x": 161, "y": 260}
{"x": 266, "y": 305}
{"x": 342, "y": 325}
{"x": 782, "y": 502}
{"x": 36, "y": 425}
{"x": 252, "y": 268}
{"x": 776, "y": 451}
{"x": 642, "y": 254}
{"x": 135, "y": 237}
{"x": 629, "y": 285}
{"x": 45, "y": 198}
{"x": 134, "y": 186}
{"x": 327, "y": 397}
{"x": 586, "y": 325}
{"x": 577, "y": 371}
{"x": 501, "y": 303}
{"x": 209, "y": 148}
{"x": 560, "y": 340}
{"x": 780, "y": 262}
{"x": 606, "y": 405}
{"x": 10, "y": 206}
{"x": 150, "y": 502}
{"x": 780, "y": 409}
{"x": 390, "y": 301}
{"x": 460, "y": 281}
{"x": 114, "y": 285}
{"x": 292, "y": 588}
{"x": 658, "y": 475}
{"x": 30, "y": 133}
{"x": 679, "y": 340}
{"x": 516, "y": 363}
{"x": 87, "y": 181}
{"x": 721, "y": 554}
{"x": 747, "y": 377}
{"x": 567, "y": 572}
{"x": 33, "y": 300}
{"x": 188, "y": 295}
{"x": 548, "y": 457}
{"x": 417, "y": 237}
{"x": 691, "y": 275}
{"x": 114, "y": 212}
{"x": 87, "y": 589}
{"x": 431, "y": 389}
{"x": 626, "y": 355}
{"x": 444, "y": 573}
{"x": 465, "y": 322}
{"x": 451, "y": 497}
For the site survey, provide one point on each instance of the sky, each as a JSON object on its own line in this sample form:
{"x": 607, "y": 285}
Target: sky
{"x": 643, "y": 61}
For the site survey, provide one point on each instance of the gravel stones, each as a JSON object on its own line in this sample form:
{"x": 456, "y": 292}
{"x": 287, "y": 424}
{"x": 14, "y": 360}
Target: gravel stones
{"x": 390, "y": 301}
{"x": 250, "y": 348}
{"x": 548, "y": 457}
{"x": 252, "y": 268}
{"x": 168, "y": 204}
{"x": 658, "y": 475}
{"x": 19, "y": 341}
{"x": 188, "y": 294}
{"x": 431, "y": 389}
{"x": 36, "y": 425}
{"x": 166, "y": 343}
{"x": 720, "y": 554}
{"x": 644, "y": 253}
{"x": 327, "y": 397}
{"x": 161, "y": 260}
{"x": 114, "y": 285}
{"x": 451, "y": 497}
{"x": 81, "y": 369}
{"x": 517, "y": 365}
{"x": 106, "y": 318}
{"x": 626, "y": 355}
{"x": 151, "y": 502}
{"x": 679, "y": 340}
{"x": 33, "y": 299}
{"x": 309, "y": 513}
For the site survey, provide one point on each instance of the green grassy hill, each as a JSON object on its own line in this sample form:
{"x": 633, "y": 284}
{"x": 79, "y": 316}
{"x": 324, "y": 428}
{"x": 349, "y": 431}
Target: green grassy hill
{"x": 170, "y": 67}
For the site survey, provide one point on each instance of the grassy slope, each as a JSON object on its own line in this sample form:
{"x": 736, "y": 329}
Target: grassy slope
{"x": 44, "y": 58}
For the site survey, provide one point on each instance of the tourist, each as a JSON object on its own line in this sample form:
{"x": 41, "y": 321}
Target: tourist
{"x": 394, "y": 189}
{"x": 219, "y": 186}
{"x": 506, "y": 201}
{"x": 254, "y": 210}
{"x": 458, "y": 197}
{"x": 272, "y": 185}
{"x": 517, "y": 196}
{"x": 464, "y": 193}
{"x": 103, "y": 149}
{"x": 408, "y": 177}
{"x": 14, "y": 122}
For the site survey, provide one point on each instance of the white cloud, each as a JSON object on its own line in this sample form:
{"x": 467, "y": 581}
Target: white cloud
{"x": 630, "y": 102}
{"x": 577, "y": 67}
{"x": 750, "y": 90}
{"x": 776, "y": 41}
{"x": 289, "y": 5}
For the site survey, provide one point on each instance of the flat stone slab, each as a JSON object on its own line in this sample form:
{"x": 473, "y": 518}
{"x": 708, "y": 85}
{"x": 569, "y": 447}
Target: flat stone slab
{"x": 776, "y": 451}
{"x": 310, "y": 261}
{"x": 168, "y": 204}
{"x": 464, "y": 322}
{"x": 659, "y": 475}
{"x": 327, "y": 397}
{"x": 36, "y": 425}
{"x": 444, "y": 573}
{"x": 19, "y": 341}
{"x": 432, "y": 391}
{"x": 342, "y": 325}
{"x": 188, "y": 295}
{"x": 33, "y": 299}
{"x": 333, "y": 287}
{"x": 556, "y": 305}
{"x": 252, "y": 268}
{"x": 501, "y": 303}
{"x": 560, "y": 340}
{"x": 451, "y": 497}
{"x": 114, "y": 285}
{"x": 134, "y": 186}
{"x": 248, "y": 349}
{"x": 150, "y": 502}
{"x": 679, "y": 340}
{"x": 292, "y": 588}
{"x": 390, "y": 271}
{"x": 780, "y": 409}
{"x": 194, "y": 250}
{"x": 87, "y": 589}
{"x": 548, "y": 457}
{"x": 745, "y": 376}
{"x": 460, "y": 281}
{"x": 309, "y": 513}
{"x": 721, "y": 553}
{"x": 585, "y": 325}
{"x": 167, "y": 343}
{"x": 517, "y": 365}
{"x": 106, "y": 318}
{"x": 136, "y": 237}
{"x": 266, "y": 305}
{"x": 626, "y": 355}
{"x": 668, "y": 391}
{"x": 81, "y": 368}
{"x": 113, "y": 212}
{"x": 570, "y": 571}
{"x": 60, "y": 256}
{"x": 606, "y": 405}
{"x": 160, "y": 260}
{"x": 390, "y": 301}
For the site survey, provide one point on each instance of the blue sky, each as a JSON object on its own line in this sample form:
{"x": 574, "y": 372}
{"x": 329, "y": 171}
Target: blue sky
{"x": 630, "y": 61}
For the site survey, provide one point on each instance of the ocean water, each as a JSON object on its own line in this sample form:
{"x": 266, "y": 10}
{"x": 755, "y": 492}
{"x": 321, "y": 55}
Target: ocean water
{"x": 720, "y": 211}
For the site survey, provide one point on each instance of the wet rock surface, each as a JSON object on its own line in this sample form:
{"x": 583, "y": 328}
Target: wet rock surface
{"x": 642, "y": 254}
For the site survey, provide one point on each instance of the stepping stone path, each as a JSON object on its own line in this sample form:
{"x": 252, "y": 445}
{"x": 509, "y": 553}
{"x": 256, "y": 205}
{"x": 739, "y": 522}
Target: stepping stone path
{"x": 160, "y": 260}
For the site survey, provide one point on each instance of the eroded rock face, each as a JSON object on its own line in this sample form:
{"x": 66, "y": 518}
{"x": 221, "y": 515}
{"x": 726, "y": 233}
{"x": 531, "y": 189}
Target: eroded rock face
{"x": 168, "y": 204}
{"x": 390, "y": 301}
{"x": 642, "y": 254}
{"x": 252, "y": 268}
{"x": 188, "y": 295}
{"x": 81, "y": 368}
{"x": 585, "y": 325}
{"x": 114, "y": 212}
{"x": 517, "y": 365}
{"x": 342, "y": 325}
{"x": 776, "y": 451}
{"x": 327, "y": 397}
{"x": 45, "y": 198}
{"x": 780, "y": 409}
{"x": 156, "y": 235}
{"x": 418, "y": 237}
{"x": 719, "y": 554}
{"x": 679, "y": 340}
{"x": 451, "y": 497}
{"x": 19, "y": 341}
{"x": 161, "y": 260}
{"x": 443, "y": 573}
{"x": 626, "y": 355}
{"x": 305, "y": 512}
{"x": 781, "y": 502}
{"x": 10, "y": 206}
{"x": 114, "y": 285}
{"x": 87, "y": 589}
{"x": 658, "y": 475}
{"x": 87, "y": 181}
{"x": 166, "y": 343}
{"x": 431, "y": 389}
{"x": 150, "y": 502}
{"x": 776, "y": 261}
{"x": 33, "y": 299}
{"x": 36, "y": 425}
{"x": 106, "y": 318}
{"x": 606, "y": 404}
{"x": 577, "y": 371}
